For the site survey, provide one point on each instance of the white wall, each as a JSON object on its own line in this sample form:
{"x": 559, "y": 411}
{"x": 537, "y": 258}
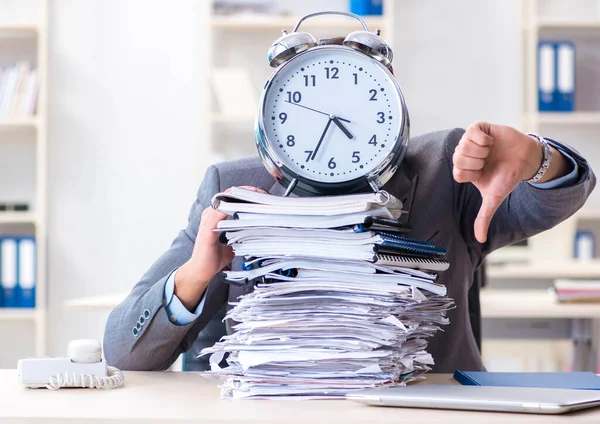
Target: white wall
{"x": 458, "y": 62}
{"x": 125, "y": 157}
{"x": 125, "y": 120}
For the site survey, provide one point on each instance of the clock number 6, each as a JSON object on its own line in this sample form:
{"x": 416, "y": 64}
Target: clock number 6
{"x": 331, "y": 164}
{"x": 291, "y": 142}
{"x": 355, "y": 157}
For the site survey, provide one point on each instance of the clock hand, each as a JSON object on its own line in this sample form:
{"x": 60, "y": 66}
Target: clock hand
{"x": 337, "y": 122}
{"x": 315, "y": 110}
{"x": 321, "y": 139}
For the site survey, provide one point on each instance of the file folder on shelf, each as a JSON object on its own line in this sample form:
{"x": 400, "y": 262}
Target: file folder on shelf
{"x": 27, "y": 272}
{"x": 9, "y": 272}
{"x": 565, "y": 76}
{"x": 546, "y": 76}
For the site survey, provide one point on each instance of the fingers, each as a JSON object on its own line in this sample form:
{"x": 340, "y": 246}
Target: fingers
{"x": 469, "y": 148}
{"x": 471, "y": 152}
{"x": 465, "y": 176}
{"x": 208, "y": 222}
{"x": 467, "y": 163}
{"x": 479, "y": 132}
{"x": 488, "y": 208}
{"x": 226, "y": 255}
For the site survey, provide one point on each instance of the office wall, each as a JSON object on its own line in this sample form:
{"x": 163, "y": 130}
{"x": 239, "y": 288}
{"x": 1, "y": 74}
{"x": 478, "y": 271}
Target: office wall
{"x": 125, "y": 156}
{"x": 125, "y": 122}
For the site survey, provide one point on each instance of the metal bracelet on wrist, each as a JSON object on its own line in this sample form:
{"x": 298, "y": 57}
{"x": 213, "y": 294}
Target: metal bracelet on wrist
{"x": 545, "y": 162}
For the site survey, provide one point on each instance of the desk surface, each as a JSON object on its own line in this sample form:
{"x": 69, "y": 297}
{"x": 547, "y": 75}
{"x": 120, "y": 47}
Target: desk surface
{"x": 172, "y": 397}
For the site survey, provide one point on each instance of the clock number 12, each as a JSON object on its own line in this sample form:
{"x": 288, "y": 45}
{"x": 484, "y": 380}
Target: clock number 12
{"x": 332, "y": 73}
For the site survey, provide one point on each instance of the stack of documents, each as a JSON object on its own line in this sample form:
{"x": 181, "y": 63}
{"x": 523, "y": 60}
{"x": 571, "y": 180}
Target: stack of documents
{"x": 342, "y": 299}
{"x": 577, "y": 290}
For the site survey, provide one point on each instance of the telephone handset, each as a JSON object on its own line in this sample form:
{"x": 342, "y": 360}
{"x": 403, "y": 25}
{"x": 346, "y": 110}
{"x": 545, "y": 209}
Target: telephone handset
{"x": 84, "y": 367}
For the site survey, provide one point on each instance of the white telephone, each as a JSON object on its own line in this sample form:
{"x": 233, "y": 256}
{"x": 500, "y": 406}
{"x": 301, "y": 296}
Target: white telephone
{"x": 84, "y": 367}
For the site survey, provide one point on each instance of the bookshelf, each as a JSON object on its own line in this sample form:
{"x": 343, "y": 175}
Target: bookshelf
{"x": 276, "y": 23}
{"x": 559, "y": 20}
{"x": 547, "y": 23}
{"x": 24, "y": 131}
{"x": 18, "y": 123}
{"x": 534, "y": 27}
{"x": 573, "y": 118}
{"x": 17, "y": 218}
{"x": 247, "y": 39}
{"x": 12, "y": 314}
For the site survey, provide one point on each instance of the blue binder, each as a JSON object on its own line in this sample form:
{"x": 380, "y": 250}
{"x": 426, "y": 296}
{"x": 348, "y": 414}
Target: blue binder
{"x": 546, "y": 76}
{"x": 565, "y": 76}
{"x": 551, "y": 380}
{"x": 9, "y": 253}
{"x": 27, "y": 271}
{"x": 360, "y": 7}
{"x": 376, "y": 7}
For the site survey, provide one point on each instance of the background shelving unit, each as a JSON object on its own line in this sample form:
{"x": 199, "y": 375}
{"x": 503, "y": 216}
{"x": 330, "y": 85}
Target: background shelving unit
{"x": 534, "y": 27}
{"x": 561, "y": 20}
{"x": 29, "y": 130}
{"x": 229, "y": 136}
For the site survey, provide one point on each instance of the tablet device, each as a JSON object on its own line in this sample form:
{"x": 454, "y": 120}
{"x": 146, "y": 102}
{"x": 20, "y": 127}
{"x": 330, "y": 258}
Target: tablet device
{"x": 480, "y": 398}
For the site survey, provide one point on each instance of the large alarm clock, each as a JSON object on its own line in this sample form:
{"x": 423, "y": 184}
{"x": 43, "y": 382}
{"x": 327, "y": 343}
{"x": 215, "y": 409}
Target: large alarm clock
{"x": 332, "y": 118}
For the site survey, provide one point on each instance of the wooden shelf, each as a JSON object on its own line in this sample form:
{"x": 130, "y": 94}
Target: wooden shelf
{"x": 548, "y": 23}
{"x": 18, "y": 314}
{"x": 568, "y": 118}
{"x": 546, "y": 271}
{"x": 30, "y": 122}
{"x": 17, "y": 218}
{"x": 19, "y": 29}
{"x": 289, "y": 22}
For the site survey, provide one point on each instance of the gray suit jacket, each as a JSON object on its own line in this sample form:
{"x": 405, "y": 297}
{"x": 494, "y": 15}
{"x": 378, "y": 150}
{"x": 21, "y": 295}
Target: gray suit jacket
{"x": 441, "y": 210}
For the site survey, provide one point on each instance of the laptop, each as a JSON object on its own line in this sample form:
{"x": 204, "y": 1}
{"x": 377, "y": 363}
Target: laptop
{"x": 480, "y": 398}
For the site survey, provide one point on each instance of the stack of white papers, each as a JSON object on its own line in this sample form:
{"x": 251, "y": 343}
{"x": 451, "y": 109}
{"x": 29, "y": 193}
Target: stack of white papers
{"x": 321, "y": 320}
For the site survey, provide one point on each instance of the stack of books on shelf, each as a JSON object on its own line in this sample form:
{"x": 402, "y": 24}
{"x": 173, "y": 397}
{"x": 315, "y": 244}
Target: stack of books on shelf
{"x": 577, "y": 290}
{"x": 342, "y": 299}
{"x": 18, "y": 91}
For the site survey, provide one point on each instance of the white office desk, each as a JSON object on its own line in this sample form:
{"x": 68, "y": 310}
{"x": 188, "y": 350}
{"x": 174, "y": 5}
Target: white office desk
{"x": 174, "y": 397}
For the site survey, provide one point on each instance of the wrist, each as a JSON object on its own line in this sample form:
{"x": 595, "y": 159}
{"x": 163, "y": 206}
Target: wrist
{"x": 189, "y": 285}
{"x": 534, "y": 157}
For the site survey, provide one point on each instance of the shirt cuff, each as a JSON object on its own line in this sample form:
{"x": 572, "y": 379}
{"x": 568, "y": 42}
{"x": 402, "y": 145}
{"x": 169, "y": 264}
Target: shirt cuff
{"x": 177, "y": 313}
{"x": 565, "y": 181}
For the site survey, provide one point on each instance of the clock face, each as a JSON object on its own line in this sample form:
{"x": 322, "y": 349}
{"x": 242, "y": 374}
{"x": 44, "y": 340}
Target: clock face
{"x": 332, "y": 114}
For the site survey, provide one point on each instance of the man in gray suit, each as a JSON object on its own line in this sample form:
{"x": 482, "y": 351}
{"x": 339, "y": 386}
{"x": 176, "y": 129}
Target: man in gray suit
{"x": 469, "y": 191}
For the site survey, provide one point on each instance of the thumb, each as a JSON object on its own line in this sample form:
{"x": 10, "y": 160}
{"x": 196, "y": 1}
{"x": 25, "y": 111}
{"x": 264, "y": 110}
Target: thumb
{"x": 488, "y": 208}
